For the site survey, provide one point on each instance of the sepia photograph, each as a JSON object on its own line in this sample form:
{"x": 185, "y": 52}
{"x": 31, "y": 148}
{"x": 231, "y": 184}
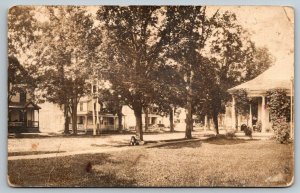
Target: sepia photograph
{"x": 150, "y": 96}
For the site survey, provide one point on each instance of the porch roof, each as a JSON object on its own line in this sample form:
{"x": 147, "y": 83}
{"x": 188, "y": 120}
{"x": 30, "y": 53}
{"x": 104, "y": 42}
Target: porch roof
{"x": 277, "y": 76}
{"x": 28, "y": 105}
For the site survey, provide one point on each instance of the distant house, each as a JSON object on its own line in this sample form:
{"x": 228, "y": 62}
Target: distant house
{"x": 23, "y": 114}
{"x": 104, "y": 121}
{"x": 281, "y": 76}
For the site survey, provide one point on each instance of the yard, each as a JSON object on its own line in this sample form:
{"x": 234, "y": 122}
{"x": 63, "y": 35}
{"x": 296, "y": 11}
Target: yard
{"x": 210, "y": 162}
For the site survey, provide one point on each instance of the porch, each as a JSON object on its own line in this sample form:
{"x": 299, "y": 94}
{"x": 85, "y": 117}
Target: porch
{"x": 102, "y": 122}
{"x": 23, "y": 118}
{"x": 279, "y": 76}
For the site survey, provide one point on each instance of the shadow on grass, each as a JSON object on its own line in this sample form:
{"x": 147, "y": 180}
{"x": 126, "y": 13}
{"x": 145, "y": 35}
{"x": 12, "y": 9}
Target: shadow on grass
{"x": 89, "y": 170}
{"x": 182, "y": 143}
{"x": 119, "y": 144}
{"x": 223, "y": 140}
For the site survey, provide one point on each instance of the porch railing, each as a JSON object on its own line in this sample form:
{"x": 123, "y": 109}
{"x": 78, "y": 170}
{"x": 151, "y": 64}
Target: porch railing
{"x": 33, "y": 124}
{"x": 16, "y": 124}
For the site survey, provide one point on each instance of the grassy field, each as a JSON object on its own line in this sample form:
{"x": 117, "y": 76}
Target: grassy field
{"x": 214, "y": 162}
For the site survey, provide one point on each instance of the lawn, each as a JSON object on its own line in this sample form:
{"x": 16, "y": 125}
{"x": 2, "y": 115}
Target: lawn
{"x": 213, "y": 162}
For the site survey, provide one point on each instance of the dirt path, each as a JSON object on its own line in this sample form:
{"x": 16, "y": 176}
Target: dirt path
{"x": 47, "y": 147}
{"x": 99, "y": 150}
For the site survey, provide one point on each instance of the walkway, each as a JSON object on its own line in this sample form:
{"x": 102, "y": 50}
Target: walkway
{"x": 57, "y": 146}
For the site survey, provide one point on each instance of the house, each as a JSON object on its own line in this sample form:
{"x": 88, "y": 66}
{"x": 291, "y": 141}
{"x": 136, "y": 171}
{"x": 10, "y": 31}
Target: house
{"x": 154, "y": 118}
{"x": 280, "y": 75}
{"x": 23, "y": 114}
{"x": 90, "y": 107}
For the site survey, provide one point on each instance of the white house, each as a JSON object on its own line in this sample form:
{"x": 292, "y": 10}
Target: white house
{"x": 281, "y": 75}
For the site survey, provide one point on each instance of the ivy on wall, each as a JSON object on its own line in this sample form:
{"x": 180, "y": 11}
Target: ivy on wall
{"x": 279, "y": 104}
{"x": 279, "y": 107}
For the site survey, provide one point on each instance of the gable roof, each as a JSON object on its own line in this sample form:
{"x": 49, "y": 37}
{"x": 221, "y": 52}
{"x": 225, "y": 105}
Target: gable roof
{"x": 277, "y": 76}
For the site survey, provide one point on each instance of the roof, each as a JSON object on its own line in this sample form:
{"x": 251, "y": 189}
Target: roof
{"x": 28, "y": 105}
{"x": 277, "y": 76}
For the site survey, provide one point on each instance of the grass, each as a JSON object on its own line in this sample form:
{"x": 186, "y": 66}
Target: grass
{"x": 213, "y": 162}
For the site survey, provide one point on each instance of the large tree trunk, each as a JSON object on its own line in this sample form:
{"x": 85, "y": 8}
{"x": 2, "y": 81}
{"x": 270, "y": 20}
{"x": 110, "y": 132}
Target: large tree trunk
{"x": 66, "y": 116}
{"x": 215, "y": 120}
{"x": 189, "y": 121}
{"x": 189, "y": 115}
{"x": 74, "y": 116}
{"x": 146, "y": 118}
{"x": 139, "y": 124}
{"x": 171, "y": 117}
{"x": 120, "y": 126}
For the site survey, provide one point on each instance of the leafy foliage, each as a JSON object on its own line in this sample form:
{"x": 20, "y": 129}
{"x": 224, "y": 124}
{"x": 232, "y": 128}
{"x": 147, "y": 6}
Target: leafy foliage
{"x": 279, "y": 106}
{"x": 242, "y": 101}
{"x": 174, "y": 56}
{"x": 21, "y": 27}
{"x": 136, "y": 43}
{"x": 282, "y": 130}
{"x": 19, "y": 80}
{"x": 65, "y": 56}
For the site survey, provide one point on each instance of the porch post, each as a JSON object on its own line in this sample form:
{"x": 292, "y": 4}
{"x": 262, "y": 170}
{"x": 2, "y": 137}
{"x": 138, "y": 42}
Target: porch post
{"x": 263, "y": 114}
{"x": 114, "y": 123}
{"x": 124, "y": 123}
{"x": 93, "y": 106}
{"x": 250, "y": 116}
{"x": 38, "y": 119}
{"x": 233, "y": 115}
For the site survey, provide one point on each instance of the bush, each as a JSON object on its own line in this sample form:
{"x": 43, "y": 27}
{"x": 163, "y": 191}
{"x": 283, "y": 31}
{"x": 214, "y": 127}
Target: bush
{"x": 257, "y": 127}
{"x": 282, "y": 130}
{"x": 230, "y": 134}
{"x": 248, "y": 131}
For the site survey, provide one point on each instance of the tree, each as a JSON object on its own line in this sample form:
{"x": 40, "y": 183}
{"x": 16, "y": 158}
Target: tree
{"x": 137, "y": 38}
{"x": 237, "y": 58}
{"x": 22, "y": 27}
{"x": 19, "y": 80}
{"x": 65, "y": 57}
{"x": 193, "y": 28}
{"x": 169, "y": 91}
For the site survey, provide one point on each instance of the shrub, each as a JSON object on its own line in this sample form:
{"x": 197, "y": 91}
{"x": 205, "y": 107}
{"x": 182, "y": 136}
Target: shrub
{"x": 258, "y": 126}
{"x": 230, "y": 134}
{"x": 248, "y": 131}
{"x": 282, "y": 130}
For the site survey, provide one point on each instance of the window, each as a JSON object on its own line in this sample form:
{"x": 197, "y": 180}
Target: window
{"x": 80, "y": 120}
{"x": 111, "y": 120}
{"x": 22, "y": 97}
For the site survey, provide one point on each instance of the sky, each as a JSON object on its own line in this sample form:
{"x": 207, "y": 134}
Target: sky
{"x": 270, "y": 26}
